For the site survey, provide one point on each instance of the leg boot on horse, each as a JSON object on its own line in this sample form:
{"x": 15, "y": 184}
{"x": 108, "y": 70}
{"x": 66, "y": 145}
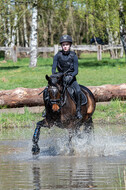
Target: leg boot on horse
{"x": 35, "y": 139}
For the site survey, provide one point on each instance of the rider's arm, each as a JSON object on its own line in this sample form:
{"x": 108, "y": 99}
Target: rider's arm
{"x": 54, "y": 64}
{"x": 75, "y": 66}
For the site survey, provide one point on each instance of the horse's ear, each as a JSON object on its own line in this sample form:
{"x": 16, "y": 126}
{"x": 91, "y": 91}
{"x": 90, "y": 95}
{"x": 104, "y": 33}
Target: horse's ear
{"x": 47, "y": 78}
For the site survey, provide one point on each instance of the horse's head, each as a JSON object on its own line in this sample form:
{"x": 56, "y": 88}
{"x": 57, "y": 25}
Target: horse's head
{"x": 55, "y": 88}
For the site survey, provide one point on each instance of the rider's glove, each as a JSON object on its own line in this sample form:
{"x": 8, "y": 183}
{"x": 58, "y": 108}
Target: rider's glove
{"x": 68, "y": 79}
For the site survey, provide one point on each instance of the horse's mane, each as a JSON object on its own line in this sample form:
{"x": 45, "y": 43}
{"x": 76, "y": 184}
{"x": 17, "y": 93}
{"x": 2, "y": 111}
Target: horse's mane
{"x": 56, "y": 75}
{"x": 55, "y": 79}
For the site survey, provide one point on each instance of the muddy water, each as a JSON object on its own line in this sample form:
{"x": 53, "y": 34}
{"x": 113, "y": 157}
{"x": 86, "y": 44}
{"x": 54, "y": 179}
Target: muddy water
{"x": 100, "y": 164}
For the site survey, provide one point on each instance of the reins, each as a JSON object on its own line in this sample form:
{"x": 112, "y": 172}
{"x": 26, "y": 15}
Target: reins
{"x": 54, "y": 85}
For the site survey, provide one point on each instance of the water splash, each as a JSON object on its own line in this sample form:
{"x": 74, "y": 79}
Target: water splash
{"x": 102, "y": 143}
{"x": 55, "y": 142}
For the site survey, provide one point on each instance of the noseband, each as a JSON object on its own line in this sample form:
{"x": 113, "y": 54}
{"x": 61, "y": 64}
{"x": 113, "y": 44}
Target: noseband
{"x": 54, "y": 101}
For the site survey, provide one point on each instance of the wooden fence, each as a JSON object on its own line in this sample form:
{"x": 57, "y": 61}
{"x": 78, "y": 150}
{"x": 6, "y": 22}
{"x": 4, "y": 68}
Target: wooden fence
{"x": 91, "y": 48}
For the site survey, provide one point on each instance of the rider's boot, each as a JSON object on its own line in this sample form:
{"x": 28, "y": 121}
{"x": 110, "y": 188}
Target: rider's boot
{"x": 35, "y": 139}
{"x": 79, "y": 116}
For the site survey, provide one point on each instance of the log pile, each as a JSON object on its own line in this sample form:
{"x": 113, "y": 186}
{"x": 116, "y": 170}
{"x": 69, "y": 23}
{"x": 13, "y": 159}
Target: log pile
{"x": 21, "y": 97}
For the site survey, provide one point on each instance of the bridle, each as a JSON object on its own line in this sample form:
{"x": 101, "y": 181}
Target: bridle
{"x": 54, "y": 101}
{"x": 59, "y": 101}
{"x": 56, "y": 91}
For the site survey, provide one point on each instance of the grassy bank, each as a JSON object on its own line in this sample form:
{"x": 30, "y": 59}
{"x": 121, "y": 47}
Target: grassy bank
{"x": 110, "y": 117}
{"x": 91, "y": 73}
{"x": 108, "y": 113}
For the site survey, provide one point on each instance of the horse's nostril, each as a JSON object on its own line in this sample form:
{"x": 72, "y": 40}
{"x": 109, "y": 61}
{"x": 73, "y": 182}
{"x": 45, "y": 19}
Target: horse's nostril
{"x": 55, "y": 107}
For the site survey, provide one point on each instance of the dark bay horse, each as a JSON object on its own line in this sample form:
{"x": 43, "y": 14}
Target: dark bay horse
{"x": 61, "y": 109}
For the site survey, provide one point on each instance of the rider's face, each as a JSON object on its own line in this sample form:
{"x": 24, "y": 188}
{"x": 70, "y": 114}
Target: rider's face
{"x": 65, "y": 46}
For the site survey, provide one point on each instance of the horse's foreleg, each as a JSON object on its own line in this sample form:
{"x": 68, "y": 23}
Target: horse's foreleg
{"x": 35, "y": 139}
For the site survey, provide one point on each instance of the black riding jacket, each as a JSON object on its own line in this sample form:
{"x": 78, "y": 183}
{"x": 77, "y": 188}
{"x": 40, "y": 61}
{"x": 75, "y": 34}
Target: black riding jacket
{"x": 64, "y": 62}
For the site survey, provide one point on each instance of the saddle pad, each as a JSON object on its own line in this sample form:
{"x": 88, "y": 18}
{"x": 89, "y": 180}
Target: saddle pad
{"x": 83, "y": 97}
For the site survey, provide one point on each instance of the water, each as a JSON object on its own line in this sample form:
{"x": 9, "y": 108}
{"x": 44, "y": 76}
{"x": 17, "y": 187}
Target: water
{"x": 100, "y": 164}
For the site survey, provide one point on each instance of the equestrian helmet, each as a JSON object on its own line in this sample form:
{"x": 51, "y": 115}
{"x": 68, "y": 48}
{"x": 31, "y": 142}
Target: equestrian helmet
{"x": 65, "y": 38}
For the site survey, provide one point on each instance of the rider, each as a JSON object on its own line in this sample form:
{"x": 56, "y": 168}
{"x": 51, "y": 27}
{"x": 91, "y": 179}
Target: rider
{"x": 66, "y": 60}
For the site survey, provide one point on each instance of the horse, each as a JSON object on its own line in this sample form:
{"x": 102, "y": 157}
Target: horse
{"x": 60, "y": 109}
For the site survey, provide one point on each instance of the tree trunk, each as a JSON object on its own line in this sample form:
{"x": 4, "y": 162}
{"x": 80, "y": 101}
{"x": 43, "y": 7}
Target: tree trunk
{"x": 25, "y": 31}
{"x": 13, "y": 43}
{"x": 45, "y": 33}
{"x": 18, "y": 41}
{"x": 8, "y": 41}
{"x": 20, "y": 97}
{"x": 109, "y": 92}
{"x": 50, "y": 28}
{"x": 33, "y": 55}
{"x": 14, "y": 32}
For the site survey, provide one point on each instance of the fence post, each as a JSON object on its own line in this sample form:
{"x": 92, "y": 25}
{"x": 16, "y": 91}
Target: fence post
{"x": 56, "y": 49}
{"x": 121, "y": 52}
{"x": 14, "y": 53}
{"x": 99, "y": 53}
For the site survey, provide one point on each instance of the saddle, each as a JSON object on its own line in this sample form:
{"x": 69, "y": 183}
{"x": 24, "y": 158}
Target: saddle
{"x": 83, "y": 98}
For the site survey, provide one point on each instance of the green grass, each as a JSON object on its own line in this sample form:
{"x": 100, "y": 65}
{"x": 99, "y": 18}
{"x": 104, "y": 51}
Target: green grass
{"x": 113, "y": 112}
{"x": 91, "y": 72}
{"x": 106, "y": 71}
{"x": 13, "y": 75}
{"x": 15, "y": 120}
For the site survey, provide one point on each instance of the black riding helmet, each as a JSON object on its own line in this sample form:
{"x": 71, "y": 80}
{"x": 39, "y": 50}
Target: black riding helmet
{"x": 65, "y": 38}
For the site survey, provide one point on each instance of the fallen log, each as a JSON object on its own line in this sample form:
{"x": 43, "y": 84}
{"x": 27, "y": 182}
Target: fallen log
{"x": 109, "y": 92}
{"x": 21, "y": 97}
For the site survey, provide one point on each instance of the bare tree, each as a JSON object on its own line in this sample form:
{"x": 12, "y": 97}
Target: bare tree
{"x": 33, "y": 42}
{"x": 25, "y": 31}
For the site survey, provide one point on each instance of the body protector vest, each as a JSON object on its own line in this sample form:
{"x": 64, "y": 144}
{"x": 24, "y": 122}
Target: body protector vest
{"x": 65, "y": 62}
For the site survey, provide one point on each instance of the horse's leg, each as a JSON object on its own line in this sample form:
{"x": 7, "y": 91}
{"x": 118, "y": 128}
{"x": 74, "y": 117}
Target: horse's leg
{"x": 71, "y": 133}
{"x": 35, "y": 139}
{"x": 89, "y": 126}
{"x": 89, "y": 129}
